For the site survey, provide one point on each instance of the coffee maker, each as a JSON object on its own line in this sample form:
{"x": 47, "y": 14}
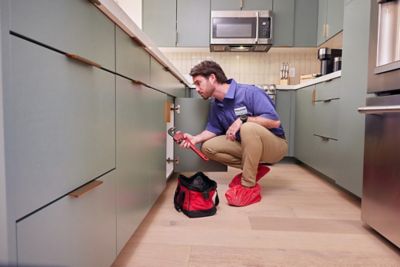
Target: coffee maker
{"x": 327, "y": 56}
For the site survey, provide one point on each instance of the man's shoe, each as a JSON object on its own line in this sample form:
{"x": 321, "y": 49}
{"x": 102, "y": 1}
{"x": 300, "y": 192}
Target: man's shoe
{"x": 240, "y": 196}
{"x": 261, "y": 171}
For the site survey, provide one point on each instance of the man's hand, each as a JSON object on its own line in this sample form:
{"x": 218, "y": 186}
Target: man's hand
{"x": 185, "y": 143}
{"x": 233, "y": 129}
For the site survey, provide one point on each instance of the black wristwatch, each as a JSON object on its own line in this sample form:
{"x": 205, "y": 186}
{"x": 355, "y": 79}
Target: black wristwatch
{"x": 243, "y": 118}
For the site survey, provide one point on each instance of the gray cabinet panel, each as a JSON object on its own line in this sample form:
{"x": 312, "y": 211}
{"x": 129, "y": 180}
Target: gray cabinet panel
{"x": 73, "y": 26}
{"x": 163, "y": 80}
{"x": 159, "y": 21}
{"x": 326, "y": 124}
{"x": 154, "y": 139}
{"x": 59, "y": 121}
{"x": 328, "y": 90}
{"x": 305, "y": 118}
{"x": 132, "y": 60}
{"x": 354, "y": 84}
{"x": 192, "y": 119}
{"x": 322, "y": 12}
{"x": 193, "y": 23}
{"x": 235, "y": 5}
{"x": 334, "y": 17}
{"x": 305, "y": 23}
{"x": 72, "y": 231}
{"x": 283, "y": 23}
{"x": 131, "y": 172}
{"x": 326, "y": 157}
{"x": 285, "y": 106}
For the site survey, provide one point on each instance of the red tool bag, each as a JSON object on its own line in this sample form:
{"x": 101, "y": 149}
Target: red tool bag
{"x": 194, "y": 195}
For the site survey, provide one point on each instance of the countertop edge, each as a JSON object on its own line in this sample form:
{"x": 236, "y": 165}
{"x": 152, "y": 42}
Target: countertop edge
{"x": 330, "y": 76}
{"x": 119, "y": 17}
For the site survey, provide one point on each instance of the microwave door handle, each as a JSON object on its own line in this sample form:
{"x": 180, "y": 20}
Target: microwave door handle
{"x": 257, "y": 21}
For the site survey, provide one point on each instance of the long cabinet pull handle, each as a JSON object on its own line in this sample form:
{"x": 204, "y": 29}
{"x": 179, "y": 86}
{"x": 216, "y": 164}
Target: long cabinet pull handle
{"x": 84, "y": 189}
{"x": 327, "y": 100}
{"x": 379, "y": 109}
{"x": 83, "y": 60}
{"x": 325, "y": 138}
{"x": 96, "y": 2}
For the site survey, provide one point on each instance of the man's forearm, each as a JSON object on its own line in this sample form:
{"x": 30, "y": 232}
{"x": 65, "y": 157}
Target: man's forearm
{"x": 204, "y": 136}
{"x": 267, "y": 123}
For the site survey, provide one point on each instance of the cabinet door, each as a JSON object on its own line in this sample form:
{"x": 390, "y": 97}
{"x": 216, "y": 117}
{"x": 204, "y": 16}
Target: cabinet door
{"x": 306, "y": 23}
{"x": 163, "y": 80}
{"x": 193, "y": 23}
{"x": 192, "y": 119}
{"x": 235, "y": 5}
{"x": 283, "y": 25}
{"x": 159, "y": 21}
{"x": 334, "y": 17}
{"x": 132, "y": 60}
{"x": 71, "y": 231}
{"x": 131, "y": 166}
{"x": 322, "y": 11}
{"x": 73, "y": 26}
{"x": 59, "y": 124}
{"x": 304, "y": 139}
{"x": 285, "y": 106}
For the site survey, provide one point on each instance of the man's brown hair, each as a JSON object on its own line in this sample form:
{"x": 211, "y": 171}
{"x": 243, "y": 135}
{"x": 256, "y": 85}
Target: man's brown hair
{"x": 208, "y": 67}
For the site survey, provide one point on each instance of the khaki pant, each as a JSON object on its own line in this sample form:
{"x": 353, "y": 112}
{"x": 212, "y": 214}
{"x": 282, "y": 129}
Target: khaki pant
{"x": 258, "y": 144}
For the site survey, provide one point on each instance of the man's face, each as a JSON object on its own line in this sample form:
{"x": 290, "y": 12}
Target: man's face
{"x": 204, "y": 86}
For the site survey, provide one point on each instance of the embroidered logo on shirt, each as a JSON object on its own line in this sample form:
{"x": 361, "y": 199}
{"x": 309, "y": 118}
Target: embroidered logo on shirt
{"x": 240, "y": 111}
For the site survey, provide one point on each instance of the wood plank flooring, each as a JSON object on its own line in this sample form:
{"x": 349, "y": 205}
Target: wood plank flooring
{"x": 302, "y": 220}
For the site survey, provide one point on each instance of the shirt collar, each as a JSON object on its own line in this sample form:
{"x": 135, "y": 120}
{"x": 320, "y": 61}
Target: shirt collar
{"x": 231, "y": 90}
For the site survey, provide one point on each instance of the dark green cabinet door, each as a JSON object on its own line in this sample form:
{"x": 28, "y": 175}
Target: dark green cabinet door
{"x": 235, "y": 5}
{"x": 305, "y": 23}
{"x": 283, "y": 24}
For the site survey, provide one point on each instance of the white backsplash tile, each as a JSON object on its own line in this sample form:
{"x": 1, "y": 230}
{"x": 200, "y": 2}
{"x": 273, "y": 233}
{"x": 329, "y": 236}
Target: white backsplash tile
{"x": 252, "y": 68}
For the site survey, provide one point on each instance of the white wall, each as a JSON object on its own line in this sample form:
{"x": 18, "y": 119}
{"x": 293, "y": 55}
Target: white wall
{"x": 133, "y": 8}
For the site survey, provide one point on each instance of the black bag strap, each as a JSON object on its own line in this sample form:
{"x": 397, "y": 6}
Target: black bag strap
{"x": 216, "y": 198}
{"x": 179, "y": 198}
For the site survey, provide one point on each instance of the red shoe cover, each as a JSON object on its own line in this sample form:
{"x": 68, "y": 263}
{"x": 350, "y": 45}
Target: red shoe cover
{"x": 240, "y": 196}
{"x": 261, "y": 171}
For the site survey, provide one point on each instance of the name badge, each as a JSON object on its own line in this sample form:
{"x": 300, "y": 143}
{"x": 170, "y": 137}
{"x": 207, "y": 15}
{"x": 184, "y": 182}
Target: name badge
{"x": 240, "y": 111}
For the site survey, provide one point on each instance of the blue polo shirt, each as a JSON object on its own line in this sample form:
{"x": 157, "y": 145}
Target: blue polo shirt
{"x": 241, "y": 99}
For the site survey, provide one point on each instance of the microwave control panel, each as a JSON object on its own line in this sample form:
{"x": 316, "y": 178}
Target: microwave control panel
{"x": 264, "y": 27}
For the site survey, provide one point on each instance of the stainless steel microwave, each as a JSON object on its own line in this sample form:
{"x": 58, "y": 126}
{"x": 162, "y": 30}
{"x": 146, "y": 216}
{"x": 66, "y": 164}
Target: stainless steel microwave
{"x": 241, "y": 30}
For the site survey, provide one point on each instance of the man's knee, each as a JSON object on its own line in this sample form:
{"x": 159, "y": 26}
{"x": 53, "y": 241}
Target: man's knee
{"x": 248, "y": 128}
{"x": 208, "y": 148}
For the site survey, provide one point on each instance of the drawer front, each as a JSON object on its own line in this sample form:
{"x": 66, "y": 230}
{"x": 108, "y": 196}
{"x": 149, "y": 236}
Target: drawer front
{"x": 327, "y": 119}
{"x": 132, "y": 60}
{"x": 328, "y": 90}
{"x": 73, "y": 26}
{"x": 72, "y": 231}
{"x": 326, "y": 157}
{"x": 59, "y": 124}
{"x": 164, "y": 80}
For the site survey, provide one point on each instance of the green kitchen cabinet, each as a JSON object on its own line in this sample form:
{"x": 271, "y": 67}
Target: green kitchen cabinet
{"x": 159, "y": 21}
{"x": 163, "y": 80}
{"x": 193, "y": 23}
{"x": 353, "y": 95}
{"x": 330, "y": 19}
{"x": 305, "y": 23}
{"x": 283, "y": 22}
{"x": 286, "y": 106}
{"x": 304, "y": 125}
{"x": 236, "y": 4}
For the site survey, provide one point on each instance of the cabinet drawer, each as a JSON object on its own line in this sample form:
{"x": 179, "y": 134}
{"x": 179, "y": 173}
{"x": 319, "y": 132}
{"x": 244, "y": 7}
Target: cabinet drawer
{"x": 73, "y": 26}
{"x": 326, "y": 123}
{"x": 132, "y": 60}
{"x": 164, "y": 80}
{"x": 326, "y": 157}
{"x": 328, "y": 90}
{"x": 59, "y": 124}
{"x": 72, "y": 231}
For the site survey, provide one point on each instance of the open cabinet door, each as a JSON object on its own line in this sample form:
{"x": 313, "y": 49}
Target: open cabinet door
{"x": 191, "y": 117}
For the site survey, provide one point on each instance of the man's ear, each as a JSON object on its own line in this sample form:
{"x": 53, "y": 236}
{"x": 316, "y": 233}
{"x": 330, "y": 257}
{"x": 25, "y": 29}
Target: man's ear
{"x": 212, "y": 78}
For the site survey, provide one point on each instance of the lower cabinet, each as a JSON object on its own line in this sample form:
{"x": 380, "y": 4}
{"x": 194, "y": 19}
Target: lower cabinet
{"x": 73, "y": 231}
{"x": 141, "y": 150}
{"x": 285, "y": 106}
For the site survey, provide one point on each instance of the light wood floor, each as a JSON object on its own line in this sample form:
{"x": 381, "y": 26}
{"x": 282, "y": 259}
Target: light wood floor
{"x": 302, "y": 220}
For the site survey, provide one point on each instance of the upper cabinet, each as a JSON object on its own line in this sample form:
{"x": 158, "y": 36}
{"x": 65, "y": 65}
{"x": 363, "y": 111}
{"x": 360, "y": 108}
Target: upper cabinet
{"x": 186, "y": 23}
{"x": 193, "y": 23}
{"x": 330, "y": 19}
{"x": 241, "y": 4}
{"x": 159, "y": 21}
